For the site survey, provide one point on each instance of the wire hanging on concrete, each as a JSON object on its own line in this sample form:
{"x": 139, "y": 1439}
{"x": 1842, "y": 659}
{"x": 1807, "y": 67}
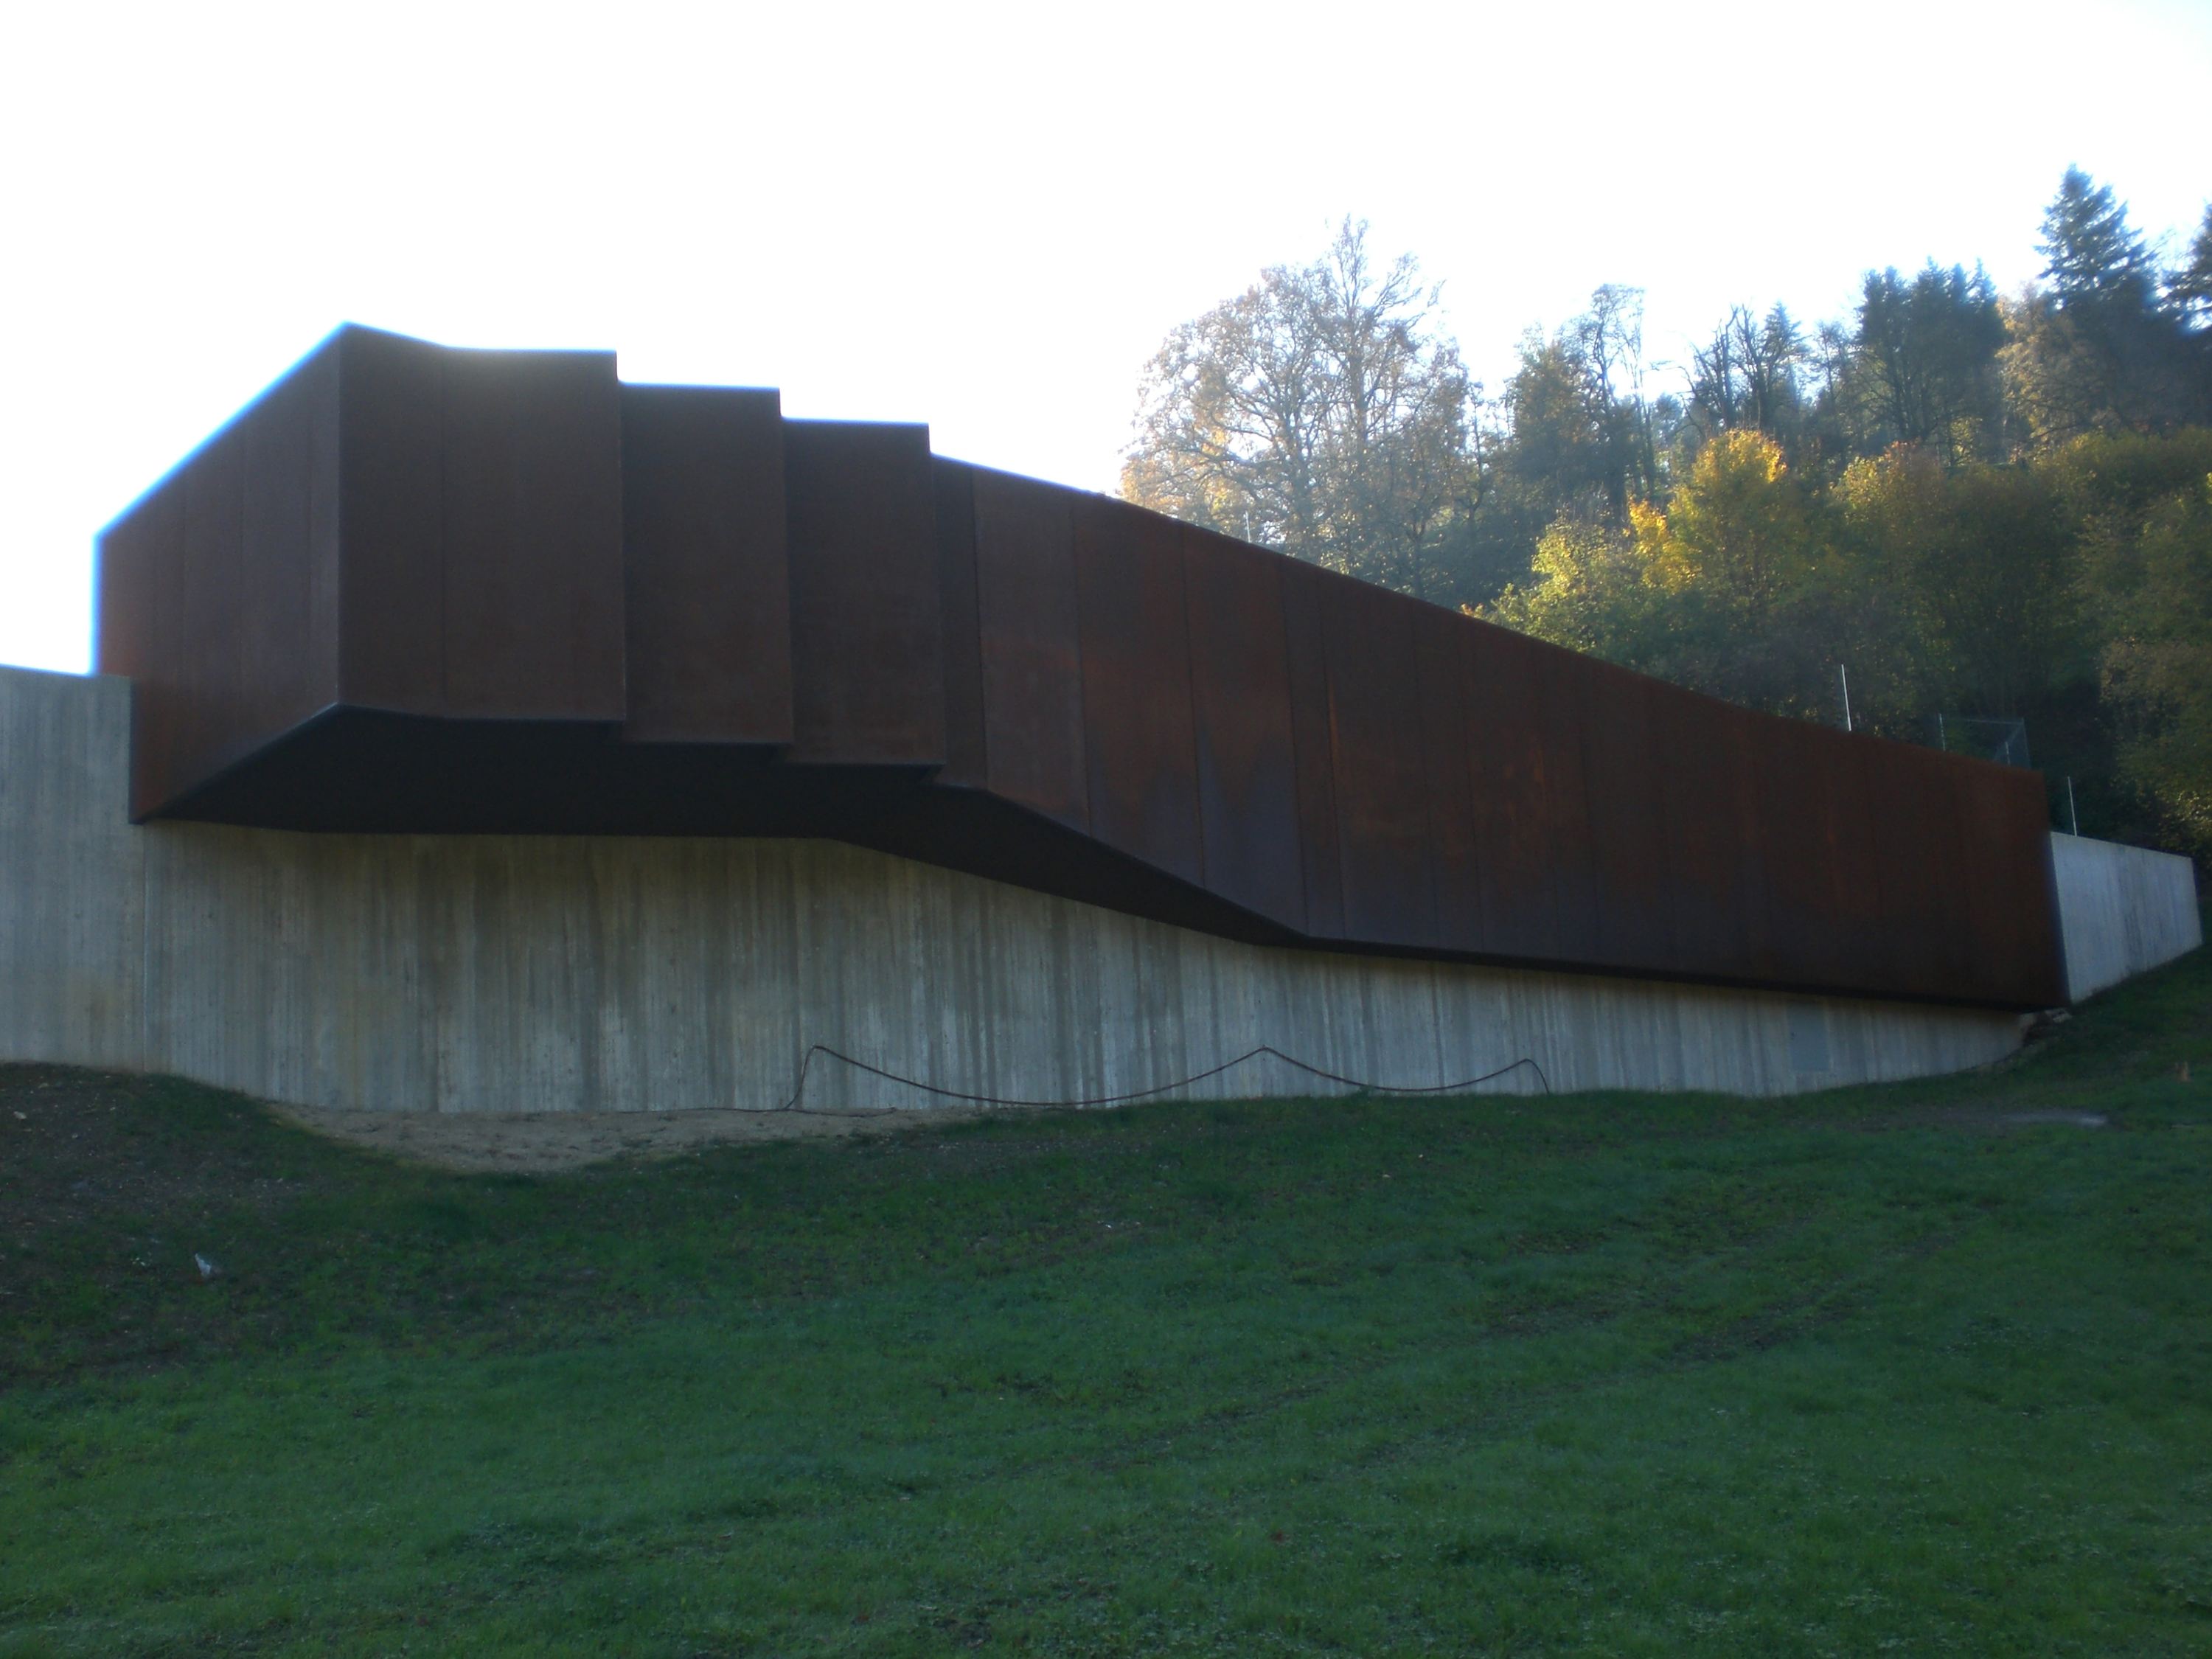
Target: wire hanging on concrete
{"x": 806, "y": 1063}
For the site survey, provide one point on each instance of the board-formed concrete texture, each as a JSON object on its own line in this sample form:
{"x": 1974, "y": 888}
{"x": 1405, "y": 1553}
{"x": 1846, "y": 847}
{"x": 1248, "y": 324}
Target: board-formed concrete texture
{"x": 416, "y": 590}
{"x": 2122, "y": 910}
{"x": 542, "y": 973}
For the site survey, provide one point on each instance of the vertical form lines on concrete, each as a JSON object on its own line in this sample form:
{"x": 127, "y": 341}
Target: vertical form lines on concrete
{"x": 492, "y": 973}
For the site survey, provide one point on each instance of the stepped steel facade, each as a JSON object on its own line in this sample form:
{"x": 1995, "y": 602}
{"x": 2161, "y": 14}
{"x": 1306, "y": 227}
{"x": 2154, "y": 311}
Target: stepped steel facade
{"x": 420, "y": 590}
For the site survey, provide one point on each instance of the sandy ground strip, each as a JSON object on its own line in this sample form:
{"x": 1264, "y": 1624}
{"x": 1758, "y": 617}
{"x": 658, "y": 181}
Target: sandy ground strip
{"x": 543, "y": 1143}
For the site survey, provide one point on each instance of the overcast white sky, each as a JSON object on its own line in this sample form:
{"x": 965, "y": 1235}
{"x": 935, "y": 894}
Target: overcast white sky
{"x": 982, "y": 218}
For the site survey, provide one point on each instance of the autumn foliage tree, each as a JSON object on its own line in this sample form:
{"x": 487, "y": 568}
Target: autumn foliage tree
{"x": 1724, "y": 589}
{"x": 1984, "y": 505}
{"x": 1322, "y": 412}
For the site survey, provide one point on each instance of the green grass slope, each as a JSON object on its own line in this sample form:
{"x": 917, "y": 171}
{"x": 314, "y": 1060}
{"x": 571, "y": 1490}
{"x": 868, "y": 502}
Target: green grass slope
{"x": 1920, "y": 1368}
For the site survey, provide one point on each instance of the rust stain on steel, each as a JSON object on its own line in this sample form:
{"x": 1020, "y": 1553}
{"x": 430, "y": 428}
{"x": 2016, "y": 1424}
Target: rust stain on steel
{"x": 413, "y": 588}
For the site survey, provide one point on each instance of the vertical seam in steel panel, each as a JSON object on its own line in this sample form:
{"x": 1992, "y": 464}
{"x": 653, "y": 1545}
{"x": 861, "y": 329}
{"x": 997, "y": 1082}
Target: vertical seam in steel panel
{"x": 338, "y": 555}
{"x": 982, "y": 675}
{"x": 621, "y": 550}
{"x": 1430, "y": 805}
{"x": 1602, "y": 936}
{"x": 1336, "y": 794}
{"x": 1290, "y": 730}
{"x": 1556, "y": 683}
{"x": 974, "y": 597}
{"x": 976, "y": 606}
{"x": 1197, "y": 715}
{"x": 1669, "y": 940}
{"x": 438, "y": 406}
{"x": 1297, "y": 776}
{"x": 1082, "y": 703}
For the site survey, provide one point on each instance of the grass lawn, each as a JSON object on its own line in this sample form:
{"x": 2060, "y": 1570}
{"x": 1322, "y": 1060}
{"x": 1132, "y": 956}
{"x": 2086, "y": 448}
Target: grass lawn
{"x": 1920, "y": 1369}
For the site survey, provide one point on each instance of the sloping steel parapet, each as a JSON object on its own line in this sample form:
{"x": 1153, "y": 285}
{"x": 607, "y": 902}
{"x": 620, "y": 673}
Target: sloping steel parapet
{"x": 421, "y": 590}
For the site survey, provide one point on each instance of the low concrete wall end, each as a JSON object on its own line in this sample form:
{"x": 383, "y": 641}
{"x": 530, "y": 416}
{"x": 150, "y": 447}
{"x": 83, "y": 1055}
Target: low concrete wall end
{"x": 2122, "y": 910}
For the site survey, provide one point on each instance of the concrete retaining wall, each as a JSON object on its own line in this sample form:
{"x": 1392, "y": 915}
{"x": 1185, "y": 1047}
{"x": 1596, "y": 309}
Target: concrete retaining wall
{"x": 2122, "y": 910}
{"x": 526, "y": 973}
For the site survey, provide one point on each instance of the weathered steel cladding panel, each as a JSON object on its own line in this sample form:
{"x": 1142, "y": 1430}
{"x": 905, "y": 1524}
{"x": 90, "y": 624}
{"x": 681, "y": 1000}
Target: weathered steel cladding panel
{"x": 127, "y": 560}
{"x": 964, "y": 761}
{"x": 1897, "y": 884}
{"x": 1741, "y": 833}
{"x": 1820, "y": 865}
{"x": 1030, "y": 647}
{"x": 867, "y": 648}
{"x": 391, "y": 524}
{"x": 195, "y": 608}
{"x": 2004, "y": 879}
{"x": 1306, "y": 606}
{"x": 222, "y": 585}
{"x": 532, "y": 532}
{"x": 1629, "y": 831}
{"x": 1375, "y": 753}
{"x": 508, "y": 556}
{"x": 210, "y": 607}
{"x": 1922, "y": 852}
{"x": 1247, "y": 774}
{"x": 1140, "y": 743}
{"x": 707, "y": 585}
{"x": 1578, "y": 876}
{"x": 1876, "y": 913}
{"x": 1510, "y": 782}
{"x": 2016, "y": 915}
{"x": 1712, "y": 828}
{"x": 289, "y": 548}
{"x": 1991, "y": 921}
{"x": 1441, "y": 647}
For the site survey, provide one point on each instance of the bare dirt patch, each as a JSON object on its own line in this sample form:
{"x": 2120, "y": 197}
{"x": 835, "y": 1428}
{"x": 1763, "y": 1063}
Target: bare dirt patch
{"x": 544, "y": 1143}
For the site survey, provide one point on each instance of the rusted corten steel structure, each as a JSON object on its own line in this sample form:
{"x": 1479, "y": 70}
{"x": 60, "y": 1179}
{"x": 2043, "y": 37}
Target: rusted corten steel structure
{"x": 415, "y": 589}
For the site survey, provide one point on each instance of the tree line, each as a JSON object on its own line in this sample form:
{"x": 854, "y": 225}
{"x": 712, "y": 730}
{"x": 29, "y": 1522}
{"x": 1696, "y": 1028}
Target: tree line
{"x": 1992, "y": 512}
